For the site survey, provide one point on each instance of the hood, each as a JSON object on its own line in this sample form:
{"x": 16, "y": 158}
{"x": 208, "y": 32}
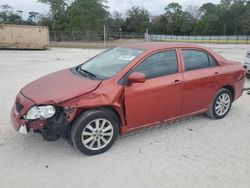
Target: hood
{"x": 58, "y": 87}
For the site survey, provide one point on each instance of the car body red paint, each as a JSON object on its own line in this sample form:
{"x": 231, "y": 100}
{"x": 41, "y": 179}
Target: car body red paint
{"x": 138, "y": 105}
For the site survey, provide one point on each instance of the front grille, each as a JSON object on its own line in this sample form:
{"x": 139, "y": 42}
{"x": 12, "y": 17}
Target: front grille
{"x": 19, "y": 107}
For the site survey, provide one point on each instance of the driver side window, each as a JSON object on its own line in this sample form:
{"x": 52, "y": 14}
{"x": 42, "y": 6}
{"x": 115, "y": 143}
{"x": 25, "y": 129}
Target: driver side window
{"x": 159, "y": 64}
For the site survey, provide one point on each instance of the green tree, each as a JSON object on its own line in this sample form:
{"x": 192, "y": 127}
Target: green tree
{"x": 179, "y": 21}
{"x": 138, "y": 20}
{"x": 33, "y": 17}
{"x": 116, "y": 22}
{"x": 85, "y": 15}
{"x": 194, "y": 11}
{"x": 209, "y": 23}
{"x": 45, "y": 20}
{"x": 9, "y": 15}
{"x": 159, "y": 25}
{"x": 58, "y": 12}
{"x": 245, "y": 20}
{"x": 230, "y": 17}
{"x": 234, "y": 17}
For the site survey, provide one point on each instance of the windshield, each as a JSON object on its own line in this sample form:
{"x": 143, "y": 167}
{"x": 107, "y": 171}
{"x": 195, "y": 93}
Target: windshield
{"x": 109, "y": 63}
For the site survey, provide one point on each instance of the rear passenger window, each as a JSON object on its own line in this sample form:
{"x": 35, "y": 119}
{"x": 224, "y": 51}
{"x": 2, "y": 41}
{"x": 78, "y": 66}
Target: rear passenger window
{"x": 159, "y": 64}
{"x": 212, "y": 61}
{"x": 195, "y": 59}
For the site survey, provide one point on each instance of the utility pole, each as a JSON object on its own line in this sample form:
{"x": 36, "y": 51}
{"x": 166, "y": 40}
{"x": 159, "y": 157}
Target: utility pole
{"x": 120, "y": 32}
{"x": 146, "y": 35}
{"x": 104, "y": 36}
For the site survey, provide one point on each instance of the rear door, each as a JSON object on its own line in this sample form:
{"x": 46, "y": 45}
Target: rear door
{"x": 202, "y": 80}
{"x": 161, "y": 96}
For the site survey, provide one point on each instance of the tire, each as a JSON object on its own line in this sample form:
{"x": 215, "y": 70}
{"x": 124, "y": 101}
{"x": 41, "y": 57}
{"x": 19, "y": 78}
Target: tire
{"x": 48, "y": 136}
{"x": 247, "y": 75}
{"x": 221, "y": 104}
{"x": 95, "y": 131}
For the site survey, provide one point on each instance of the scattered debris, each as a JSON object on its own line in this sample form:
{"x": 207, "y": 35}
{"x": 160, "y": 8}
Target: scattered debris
{"x": 247, "y": 90}
{"x": 185, "y": 156}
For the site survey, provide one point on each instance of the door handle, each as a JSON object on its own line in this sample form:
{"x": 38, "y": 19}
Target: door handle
{"x": 177, "y": 82}
{"x": 216, "y": 74}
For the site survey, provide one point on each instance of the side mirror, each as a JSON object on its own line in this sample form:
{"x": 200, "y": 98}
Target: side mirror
{"x": 136, "y": 77}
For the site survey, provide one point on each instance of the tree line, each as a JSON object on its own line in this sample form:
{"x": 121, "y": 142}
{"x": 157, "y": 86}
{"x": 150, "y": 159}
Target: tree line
{"x": 229, "y": 17}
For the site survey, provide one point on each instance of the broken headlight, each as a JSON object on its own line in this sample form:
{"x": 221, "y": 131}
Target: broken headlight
{"x": 38, "y": 112}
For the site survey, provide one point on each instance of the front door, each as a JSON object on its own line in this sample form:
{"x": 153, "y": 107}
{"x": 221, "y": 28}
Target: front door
{"x": 160, "y": 97}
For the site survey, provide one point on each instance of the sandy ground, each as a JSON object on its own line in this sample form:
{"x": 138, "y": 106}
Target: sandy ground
{"x": 197, "y": 152}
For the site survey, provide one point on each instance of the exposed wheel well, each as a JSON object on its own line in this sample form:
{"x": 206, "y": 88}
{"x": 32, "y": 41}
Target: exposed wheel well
{"x": 104, "y": 108}
{"x": 112, "y": 110}
{"x": 231, "y": 89}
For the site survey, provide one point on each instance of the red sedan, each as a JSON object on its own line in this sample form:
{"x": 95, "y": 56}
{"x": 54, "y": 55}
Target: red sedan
{"x": 127, "y": 88}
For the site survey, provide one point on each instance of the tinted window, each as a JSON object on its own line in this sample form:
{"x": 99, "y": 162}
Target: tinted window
{"x": 195, "y": 59}
{"x": 159, "y": 64}
{"x": 212, "y": 61}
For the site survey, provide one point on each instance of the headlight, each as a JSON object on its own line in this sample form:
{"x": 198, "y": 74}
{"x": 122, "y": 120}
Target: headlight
{"x": 38, "y": 112}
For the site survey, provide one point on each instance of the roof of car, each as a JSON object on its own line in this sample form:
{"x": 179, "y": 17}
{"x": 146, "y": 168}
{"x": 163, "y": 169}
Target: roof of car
{"x": 161, "y": 45}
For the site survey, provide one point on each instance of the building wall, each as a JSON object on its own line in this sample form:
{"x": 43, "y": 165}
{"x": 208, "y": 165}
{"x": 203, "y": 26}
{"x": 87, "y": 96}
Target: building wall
{"x": 23, "y": 37}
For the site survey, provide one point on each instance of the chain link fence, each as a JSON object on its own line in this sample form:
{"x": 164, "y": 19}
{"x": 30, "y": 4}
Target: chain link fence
{"x": 92, "y": 36}
{"x": 89, "y": 36}
{"x": 236, "y": 39}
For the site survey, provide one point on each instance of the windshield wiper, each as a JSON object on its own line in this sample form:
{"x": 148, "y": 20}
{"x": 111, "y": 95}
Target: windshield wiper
{"x": 85, "y": 72}
{"x": 89, "y": 73}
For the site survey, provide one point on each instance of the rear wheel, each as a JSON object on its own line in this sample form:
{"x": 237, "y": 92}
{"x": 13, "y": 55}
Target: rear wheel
{"x": 221, "y": 105}
{"x": 95, "y": 131}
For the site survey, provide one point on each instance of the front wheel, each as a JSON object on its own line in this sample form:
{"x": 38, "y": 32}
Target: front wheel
{"x": 95, "y": 131}
{"x": 221, "y": 104}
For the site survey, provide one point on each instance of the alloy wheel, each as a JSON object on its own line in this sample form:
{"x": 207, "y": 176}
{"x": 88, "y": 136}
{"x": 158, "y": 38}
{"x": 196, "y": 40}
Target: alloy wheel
{"x": 222, "y": 104}
{"x": 97, "y": 134}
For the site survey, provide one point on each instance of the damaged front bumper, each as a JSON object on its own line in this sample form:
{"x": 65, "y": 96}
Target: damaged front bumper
{"x": 23, "y": 129}
{"x": 56, "y": 125}
{"x": 21, "y": 106}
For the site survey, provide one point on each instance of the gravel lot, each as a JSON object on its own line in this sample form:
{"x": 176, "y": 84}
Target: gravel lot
{"x": 197, "y": 152}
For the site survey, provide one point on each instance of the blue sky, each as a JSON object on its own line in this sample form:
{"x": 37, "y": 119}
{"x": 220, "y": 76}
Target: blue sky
{"x": 155, "y": 7}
